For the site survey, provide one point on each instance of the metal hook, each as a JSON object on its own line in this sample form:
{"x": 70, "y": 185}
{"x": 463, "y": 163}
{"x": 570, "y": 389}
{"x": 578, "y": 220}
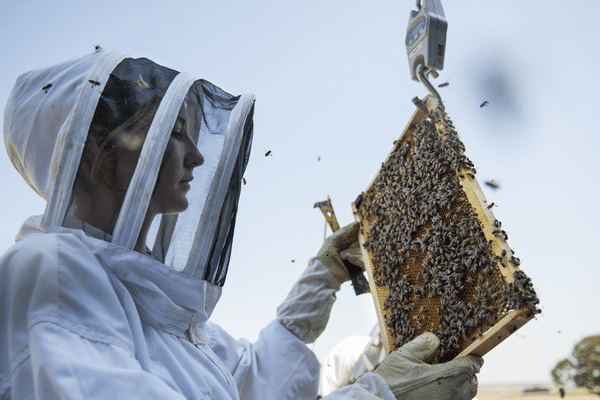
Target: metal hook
{"x": 423, "y": 79}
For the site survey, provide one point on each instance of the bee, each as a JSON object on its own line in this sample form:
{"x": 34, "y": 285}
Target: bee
{"x": 268, "y": 153}
{"x": 491, "y": 205}
{"x": 244, "y": 181}
{"x": 493, "y": 184}
{"x": 142, "y": 83}
{"x": 319, "y": 158}
{"x": 485, "y": 103}
{"x": 94, "y": 83}
{"x": 445, "y": 84}
{"x": 97, "y": 47}
{"x": 46, "y": 87}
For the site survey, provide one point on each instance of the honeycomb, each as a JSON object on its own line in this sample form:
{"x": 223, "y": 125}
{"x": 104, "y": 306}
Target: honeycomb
{"x": 437, "y": 258}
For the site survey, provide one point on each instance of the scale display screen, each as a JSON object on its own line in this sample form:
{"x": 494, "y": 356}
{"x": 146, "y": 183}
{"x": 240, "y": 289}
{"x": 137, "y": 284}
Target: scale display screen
{"x": 416, "y": 31}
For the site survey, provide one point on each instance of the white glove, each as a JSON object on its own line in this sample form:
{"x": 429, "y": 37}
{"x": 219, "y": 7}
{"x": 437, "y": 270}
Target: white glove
{"x": 341, "y": 245}
{"x": 410, "y": 377}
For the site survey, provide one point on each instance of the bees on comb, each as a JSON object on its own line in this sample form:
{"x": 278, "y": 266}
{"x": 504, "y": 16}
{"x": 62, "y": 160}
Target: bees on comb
{"x": 432, "y": 265}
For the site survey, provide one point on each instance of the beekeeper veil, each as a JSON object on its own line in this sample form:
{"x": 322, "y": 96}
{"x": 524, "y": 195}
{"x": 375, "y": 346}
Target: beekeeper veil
{"x": 46, "y": 124}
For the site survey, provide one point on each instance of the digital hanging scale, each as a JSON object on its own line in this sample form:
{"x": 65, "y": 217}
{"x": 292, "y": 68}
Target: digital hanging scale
{"x": 426, "y": 39}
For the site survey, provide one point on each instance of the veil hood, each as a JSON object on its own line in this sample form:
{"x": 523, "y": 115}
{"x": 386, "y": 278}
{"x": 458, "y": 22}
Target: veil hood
{"x": 46, "y": 123}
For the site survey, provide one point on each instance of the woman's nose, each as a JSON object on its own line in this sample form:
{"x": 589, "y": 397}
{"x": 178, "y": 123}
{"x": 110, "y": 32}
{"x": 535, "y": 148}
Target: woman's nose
{"x": 194, "y": 158}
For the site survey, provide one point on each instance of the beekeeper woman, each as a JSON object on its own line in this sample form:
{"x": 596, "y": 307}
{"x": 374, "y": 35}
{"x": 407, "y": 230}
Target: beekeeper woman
{"x": 101, "y": 300}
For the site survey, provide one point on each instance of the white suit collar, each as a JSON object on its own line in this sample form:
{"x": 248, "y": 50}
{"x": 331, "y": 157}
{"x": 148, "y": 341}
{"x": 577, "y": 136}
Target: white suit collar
{"x": 167, "y": 299}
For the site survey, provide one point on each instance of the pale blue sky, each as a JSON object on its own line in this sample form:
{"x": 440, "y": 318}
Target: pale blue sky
{"x": 331, "y": 80}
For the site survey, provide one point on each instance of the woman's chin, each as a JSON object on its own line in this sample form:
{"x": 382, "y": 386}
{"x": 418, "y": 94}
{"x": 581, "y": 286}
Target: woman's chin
{"x": 179, "y": 206}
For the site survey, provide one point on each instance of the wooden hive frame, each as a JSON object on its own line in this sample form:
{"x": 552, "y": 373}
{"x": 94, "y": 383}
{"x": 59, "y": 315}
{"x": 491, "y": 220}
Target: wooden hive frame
{"x": 484, "y": 337}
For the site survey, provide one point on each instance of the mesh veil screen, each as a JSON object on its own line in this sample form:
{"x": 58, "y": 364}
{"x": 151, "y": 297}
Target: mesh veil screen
{"x": 127, "y": 107}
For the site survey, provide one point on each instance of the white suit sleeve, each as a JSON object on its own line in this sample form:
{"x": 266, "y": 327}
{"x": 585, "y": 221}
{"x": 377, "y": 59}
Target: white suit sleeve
{"x": 66, "y": 366}
{"x": 305, "y": 311}
{"x": 277, "y": 366}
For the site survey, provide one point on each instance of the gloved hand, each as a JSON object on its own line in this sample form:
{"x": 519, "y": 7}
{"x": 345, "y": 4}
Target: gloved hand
{"x": 341, "y": 245}
{"x": 410, "y": 377}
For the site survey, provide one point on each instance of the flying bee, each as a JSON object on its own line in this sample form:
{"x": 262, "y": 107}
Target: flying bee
{"x": 244, "y": 181}
{"x": 46, "y": 87}
{"x": 97, "y": 47}
{"x": 268, "y": 153}
{"x": 485, "y": 103}
{"x": 493, "y": 184}
{"x": 445, "y": 84}
{"x": 491, "y": 205}
{"x": 94, "y": 83}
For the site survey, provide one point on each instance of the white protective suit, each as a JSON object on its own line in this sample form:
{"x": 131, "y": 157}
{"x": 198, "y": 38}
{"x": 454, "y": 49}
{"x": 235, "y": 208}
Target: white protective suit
{"x": 82, "y": 315}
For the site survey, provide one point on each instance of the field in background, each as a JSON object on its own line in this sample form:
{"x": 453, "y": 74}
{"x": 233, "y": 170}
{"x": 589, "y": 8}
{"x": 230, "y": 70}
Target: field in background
{"x": 515, "y": 392}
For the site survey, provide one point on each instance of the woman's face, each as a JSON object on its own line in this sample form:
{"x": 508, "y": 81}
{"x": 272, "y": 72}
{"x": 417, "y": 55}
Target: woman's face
{"x": 180, "y": 158}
